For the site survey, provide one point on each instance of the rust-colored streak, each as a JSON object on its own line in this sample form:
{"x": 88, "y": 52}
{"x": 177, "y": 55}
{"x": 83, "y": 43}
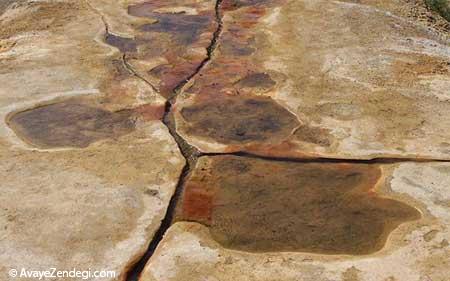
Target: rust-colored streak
{"x": 149, "y": 112}
{"x": 260, "y": 205}
{"x": 197, "y": 203}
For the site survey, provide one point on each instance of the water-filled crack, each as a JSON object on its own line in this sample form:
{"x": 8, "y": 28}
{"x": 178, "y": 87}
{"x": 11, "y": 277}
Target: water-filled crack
{"x": 190, "y": 153}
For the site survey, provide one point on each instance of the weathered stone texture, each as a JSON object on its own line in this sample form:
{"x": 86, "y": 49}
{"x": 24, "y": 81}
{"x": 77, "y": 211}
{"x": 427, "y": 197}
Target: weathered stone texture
{"x": 363, "y": 82}
{"x": 87, "y": 166}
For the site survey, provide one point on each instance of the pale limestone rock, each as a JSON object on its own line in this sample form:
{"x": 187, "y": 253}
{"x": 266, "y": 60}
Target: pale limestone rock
{"x": 93, "y": 208}
{"x": 66, "y": 207}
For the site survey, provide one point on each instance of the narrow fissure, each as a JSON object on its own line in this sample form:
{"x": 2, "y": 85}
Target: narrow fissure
{"x": 190, "y": 153}
{"x": 386, "y": 160}
{"x": 132, "y": 71}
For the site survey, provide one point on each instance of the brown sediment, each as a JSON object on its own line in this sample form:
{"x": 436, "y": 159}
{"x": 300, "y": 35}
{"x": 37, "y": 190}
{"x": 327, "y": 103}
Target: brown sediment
{"x": 239, "y": 120}
{"x": 185, "y": 29}
{"x": 256, "y": 80}
{"x": 315, "y": 135}
{"x": 122, "y": 43}
{"x": 263, "y": 206}
{"x": 70, "y": 124}
{"x": 179, "y": 38}
{"x": 150, "y": 112}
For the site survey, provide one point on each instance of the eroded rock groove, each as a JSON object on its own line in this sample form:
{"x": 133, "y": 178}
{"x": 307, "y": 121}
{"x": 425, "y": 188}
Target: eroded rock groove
{"x": 190, "y": 153}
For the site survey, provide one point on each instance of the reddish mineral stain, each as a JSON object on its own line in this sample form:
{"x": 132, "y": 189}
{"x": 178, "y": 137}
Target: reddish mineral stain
{"x": 197, "y": 203}
{"x": 150, "y": 112}
{"x": 265, "y": 206}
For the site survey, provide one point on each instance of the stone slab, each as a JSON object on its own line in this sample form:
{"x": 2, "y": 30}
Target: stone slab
{"x": 87, "y": 166}
{"x": 364, "y": 81}
{"x": 415, "y": 251}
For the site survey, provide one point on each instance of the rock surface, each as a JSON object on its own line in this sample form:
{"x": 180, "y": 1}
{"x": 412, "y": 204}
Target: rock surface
{"x": 362, "y": 81}
{"x": 415, "y": 251}
{"x": 88, "y": 167}
{"x": 260, "y": 205}
{"x": 107, "y": 105}
{"x": 163, "y": 41}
